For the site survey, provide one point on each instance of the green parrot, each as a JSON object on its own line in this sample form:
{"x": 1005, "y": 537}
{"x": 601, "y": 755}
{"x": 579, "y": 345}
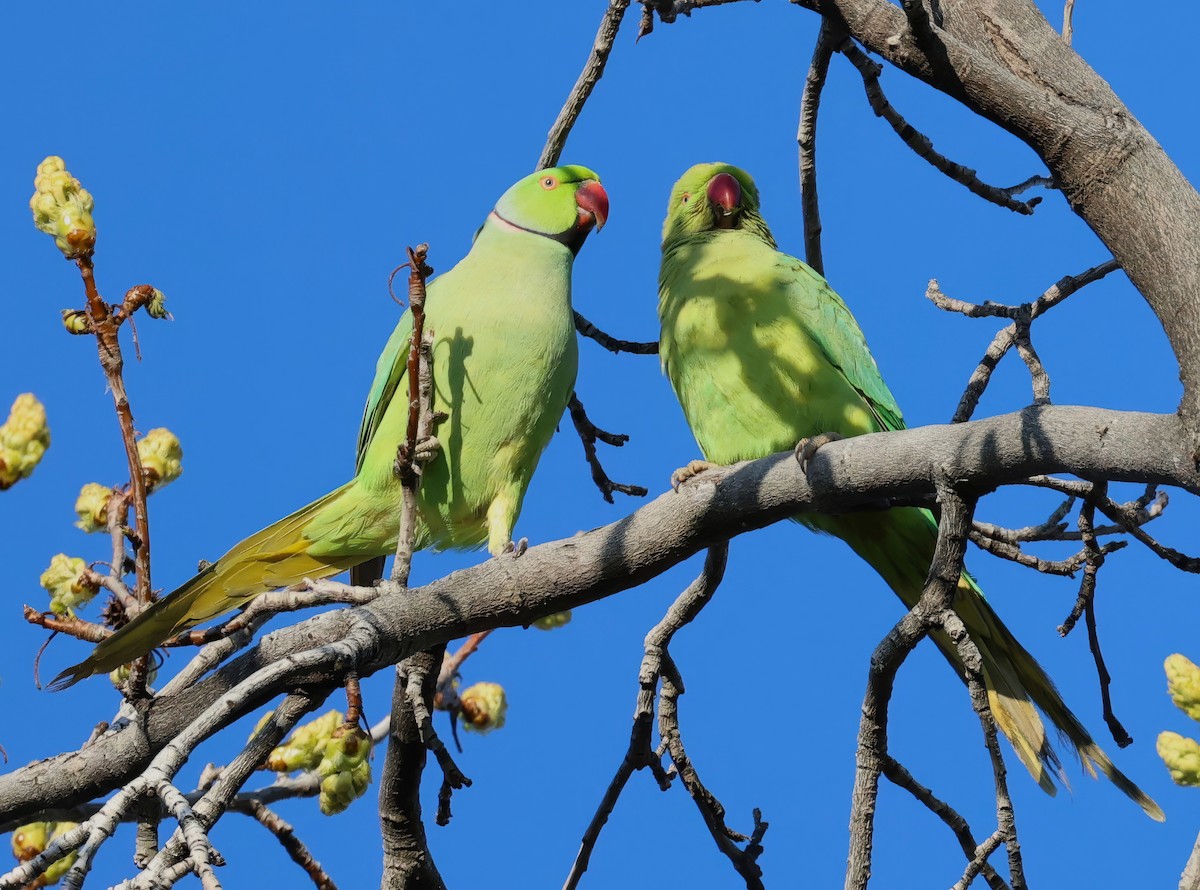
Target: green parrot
{"x": 504, "y": 361}
{"x": 761, "y": 354}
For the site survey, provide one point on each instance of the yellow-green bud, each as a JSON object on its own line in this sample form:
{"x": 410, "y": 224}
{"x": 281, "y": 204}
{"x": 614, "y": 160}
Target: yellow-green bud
{"x": 63, "y": 208}
{"x": 24, "y": 438}
{"x": 1183, "y": 682}
{"x": 120, "y": 676}
{"x": 1182, "y": 757}
{"x": 92, "y": 507}
{"x": 306, "y": 746}
{"x": 162, "y": 457}
{"x": 76, "y": 321}
{"x": 345, "y": 770}
{"x": 156, "y": 307}
{"x": 68, "y": 584}
{"x": 551, "y": 622}
{"x": 484, "y": 706}
{"x": 30, "y": 840}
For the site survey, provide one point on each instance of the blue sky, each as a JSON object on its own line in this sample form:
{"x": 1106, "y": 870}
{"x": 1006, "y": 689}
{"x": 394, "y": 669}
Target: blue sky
{"x": 265, "y": 168}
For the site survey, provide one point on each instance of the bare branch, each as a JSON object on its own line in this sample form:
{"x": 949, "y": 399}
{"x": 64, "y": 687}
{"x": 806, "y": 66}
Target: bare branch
{"x": 639, "y": 753}
{"x": 1068, "y": 12}
{"x": 407, "y": 862}
{"x": 286, "y": 835}
{"x": 593, "y": 70}
{"x": 899, "y": 776}
{"x": 806, "y": 139}
{"x": 1016, "y": 334}
{"x": 1005, "y": 817}
{"x": 551, "y": 577}
{"x": 918, "y": 141}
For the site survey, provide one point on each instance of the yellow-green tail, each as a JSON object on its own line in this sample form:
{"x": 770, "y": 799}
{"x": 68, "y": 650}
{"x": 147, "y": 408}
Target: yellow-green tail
{"x": 275, "y": 557}
{"x": 899, "y": 545}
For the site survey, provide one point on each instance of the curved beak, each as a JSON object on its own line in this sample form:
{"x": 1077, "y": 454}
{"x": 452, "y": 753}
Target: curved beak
{"x": 725, "y": 196}
{"x": 593, "y": 203}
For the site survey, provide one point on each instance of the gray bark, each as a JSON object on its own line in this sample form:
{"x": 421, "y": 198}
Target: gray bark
{"x": 1004, "y": 61}
{"x": 564, "y": 574}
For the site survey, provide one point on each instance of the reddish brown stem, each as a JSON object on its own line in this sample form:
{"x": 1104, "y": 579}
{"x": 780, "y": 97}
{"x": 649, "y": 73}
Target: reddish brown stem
{"x": 105, "y": 328}
{"x": 354, "y": 701}
{"x": 416, "y": 302}
{"x": 69, "y": 625}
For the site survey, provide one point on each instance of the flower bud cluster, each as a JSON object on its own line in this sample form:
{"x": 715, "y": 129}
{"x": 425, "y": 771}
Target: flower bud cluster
{"x": 1179, "y": 753}
{"x": 63, "y": 208}
{"x": 24, "y": 438}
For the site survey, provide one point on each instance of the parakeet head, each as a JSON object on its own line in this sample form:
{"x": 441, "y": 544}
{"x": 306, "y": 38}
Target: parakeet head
{"x": 561, "y": 203}
{"x": 709, "y": 197}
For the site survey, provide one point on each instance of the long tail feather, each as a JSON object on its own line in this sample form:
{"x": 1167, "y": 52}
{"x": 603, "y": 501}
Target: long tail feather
{"x": 275, "y": 557}
{"x": 899, "y": 545}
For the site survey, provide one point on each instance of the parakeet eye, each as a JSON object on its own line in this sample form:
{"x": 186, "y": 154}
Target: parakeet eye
{"x": 685, "y": 197}
{"x": 549, "y": 182}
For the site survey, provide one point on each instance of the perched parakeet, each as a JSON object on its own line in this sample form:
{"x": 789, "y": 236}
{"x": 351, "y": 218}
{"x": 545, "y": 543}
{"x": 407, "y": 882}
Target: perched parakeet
{"x": 762, "y": 353}
{"x": 504, "y": 361}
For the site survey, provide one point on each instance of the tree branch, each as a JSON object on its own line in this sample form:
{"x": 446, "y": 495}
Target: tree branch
{"x": 918, "y": 141}
{"x": 593, "y": 70}
{"x": 1012, "y": 448}
{"x": 806, "y": 139}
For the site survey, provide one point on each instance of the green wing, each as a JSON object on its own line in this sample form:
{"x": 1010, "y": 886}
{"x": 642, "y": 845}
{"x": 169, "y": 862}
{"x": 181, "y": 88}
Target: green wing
{"x": 834, "y": 329}
{"x": 389, "y": 372}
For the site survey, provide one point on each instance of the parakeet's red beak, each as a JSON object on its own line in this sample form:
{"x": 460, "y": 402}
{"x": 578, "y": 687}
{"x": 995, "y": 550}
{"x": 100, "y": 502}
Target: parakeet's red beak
{"x": 593, "y": 201}
{"x": 725, "y": 195}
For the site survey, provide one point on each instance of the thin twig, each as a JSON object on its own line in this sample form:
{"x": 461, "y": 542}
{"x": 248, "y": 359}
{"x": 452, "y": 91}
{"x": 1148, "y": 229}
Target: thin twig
{"x": 104, "y": 326}
{"x": 980, "y": 860}
{"x": 286, "y": 836}
{"x": 806, "y": 139}
{"x": 420, "y": 413}
{"x": 1005, "y": 816}
{"x": 1068, "y": 12}
{"x": 453, "y": 778}
{"x": 593, "y": 70}
{"x": 1014, "y": 553}
{"x": 639, "y": 754}
{"x": 918, "y": 141}
{"x": 1022, "y": 316}
{"x": 901, "y": 777}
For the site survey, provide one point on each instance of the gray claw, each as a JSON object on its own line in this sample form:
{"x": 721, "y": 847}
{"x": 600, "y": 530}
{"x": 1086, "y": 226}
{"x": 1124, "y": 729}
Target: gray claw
{"x": 807, "y": 447}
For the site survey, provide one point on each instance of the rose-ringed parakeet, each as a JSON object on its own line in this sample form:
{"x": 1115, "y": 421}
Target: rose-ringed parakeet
{"x": 761, "y": 354}
{"x": 504, "y": 361}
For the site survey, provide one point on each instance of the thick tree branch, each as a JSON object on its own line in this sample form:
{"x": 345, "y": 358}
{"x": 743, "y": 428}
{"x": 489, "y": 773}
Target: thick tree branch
{"x": 1096, "y": 443}
{"x": 1007, "y": 63}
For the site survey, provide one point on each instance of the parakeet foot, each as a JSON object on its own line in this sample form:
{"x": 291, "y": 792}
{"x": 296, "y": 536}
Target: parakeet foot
{"x": 517, "y": 550}
{"x": 807, "y": 447}
{"x": 695, "y": 468}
